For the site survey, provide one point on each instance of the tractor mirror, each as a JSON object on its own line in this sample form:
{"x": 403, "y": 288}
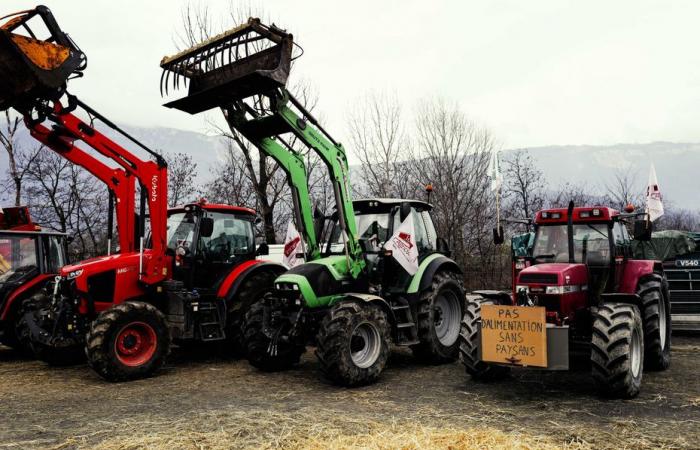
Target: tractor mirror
{"x": 405, "y": 211}
{"x": 263, "y": 249}
{"x": 206, "y": 227}
{"x": 442, "y": 246}
{"x": 498, "y": 237}
{"x": 642, "y": 230}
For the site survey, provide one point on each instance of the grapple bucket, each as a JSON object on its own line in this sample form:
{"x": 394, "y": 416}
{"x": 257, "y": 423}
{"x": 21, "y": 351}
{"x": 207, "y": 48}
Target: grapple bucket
{"x": 32, "y": 67}
{"x": 248, "y": 60}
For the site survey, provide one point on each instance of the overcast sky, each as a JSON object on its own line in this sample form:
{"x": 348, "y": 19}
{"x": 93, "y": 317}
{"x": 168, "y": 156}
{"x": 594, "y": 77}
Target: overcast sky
{"x": 534, "y": 72}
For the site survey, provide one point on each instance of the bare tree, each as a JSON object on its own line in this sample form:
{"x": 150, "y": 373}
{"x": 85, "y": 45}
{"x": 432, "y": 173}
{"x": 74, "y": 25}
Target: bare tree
{"x": 378, "y": 138}
{"x": 182, "y": 175}
{"x": 18, "y": 160}
{"x": 625, "y": 189}
{"x": 580, "y": 193}
{"x": 524, "y": 184}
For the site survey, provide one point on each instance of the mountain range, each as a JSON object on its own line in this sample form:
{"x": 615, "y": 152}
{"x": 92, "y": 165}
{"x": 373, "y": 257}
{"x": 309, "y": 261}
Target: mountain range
{"x": 592, "y": 166}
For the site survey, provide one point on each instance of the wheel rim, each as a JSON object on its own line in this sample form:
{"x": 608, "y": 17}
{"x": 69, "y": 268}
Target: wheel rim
{"x": 662, "y": 322}
{"x": 447, "y": 317}
{"x": 135, "y": 344}
{"x": 636, "y": 353}
{"x": 365, "y": 345}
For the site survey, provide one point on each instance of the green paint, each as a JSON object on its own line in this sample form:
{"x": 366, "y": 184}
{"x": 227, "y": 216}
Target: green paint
{"x": 415, "y": 281}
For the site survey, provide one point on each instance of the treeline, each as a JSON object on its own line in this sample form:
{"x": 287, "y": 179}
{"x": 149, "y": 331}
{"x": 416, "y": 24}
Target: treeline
{"x": 399, "y": 154}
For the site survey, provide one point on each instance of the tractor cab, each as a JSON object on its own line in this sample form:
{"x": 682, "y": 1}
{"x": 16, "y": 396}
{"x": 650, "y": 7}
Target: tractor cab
{"x": 208, "y": 240}
{"x": 577, "y": 256}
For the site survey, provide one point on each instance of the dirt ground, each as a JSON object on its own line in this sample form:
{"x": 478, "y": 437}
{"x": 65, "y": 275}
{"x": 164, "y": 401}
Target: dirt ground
{"x": 202, "y": 401}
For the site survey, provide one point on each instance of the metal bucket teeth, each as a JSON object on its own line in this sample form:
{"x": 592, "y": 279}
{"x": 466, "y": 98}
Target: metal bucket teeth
{"x": 248, "y": 60}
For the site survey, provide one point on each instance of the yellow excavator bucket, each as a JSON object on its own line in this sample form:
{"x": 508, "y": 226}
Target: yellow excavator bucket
{"x": 32, "y": 67}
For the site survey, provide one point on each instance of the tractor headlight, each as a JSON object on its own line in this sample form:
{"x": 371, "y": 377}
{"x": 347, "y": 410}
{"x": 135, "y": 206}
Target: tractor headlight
{"x": 74, "y": 274}
{"x": 562, "y": 289}
{"x": 522, "y": 288}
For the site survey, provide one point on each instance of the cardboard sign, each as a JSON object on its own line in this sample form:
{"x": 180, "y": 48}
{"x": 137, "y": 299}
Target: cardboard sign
{"x": 515, "y": 335}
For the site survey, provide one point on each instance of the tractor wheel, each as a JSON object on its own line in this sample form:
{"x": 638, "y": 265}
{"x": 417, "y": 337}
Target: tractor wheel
{"x": 469, "y": 345}
{"x": 656, "y": 316}
{"x": 260, "y": 351}
{"x": 252, "y": 290}
{"x": 353, "y": 344}
{"x": 128, "y": 341}
{"x": 440, "y": 312}
{"x": 617, "y": 349}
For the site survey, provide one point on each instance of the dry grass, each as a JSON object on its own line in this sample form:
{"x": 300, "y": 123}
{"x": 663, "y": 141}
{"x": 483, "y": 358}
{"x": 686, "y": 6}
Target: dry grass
{"x": 278, "y": 431}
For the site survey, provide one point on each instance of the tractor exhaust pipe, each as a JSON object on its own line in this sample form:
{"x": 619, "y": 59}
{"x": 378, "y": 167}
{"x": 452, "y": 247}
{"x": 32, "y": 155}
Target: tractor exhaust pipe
{"x": 570, "y": 231}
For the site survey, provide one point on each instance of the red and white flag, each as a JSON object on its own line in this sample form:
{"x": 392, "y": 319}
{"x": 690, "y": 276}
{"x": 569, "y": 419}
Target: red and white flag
{"x": 403, "y": 246}
{"x": 655, "y": 206}
{"x": 292, "y": 246}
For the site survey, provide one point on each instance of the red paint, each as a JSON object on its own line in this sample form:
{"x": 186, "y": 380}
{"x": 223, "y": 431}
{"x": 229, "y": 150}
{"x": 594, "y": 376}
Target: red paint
{"x": 635, "y": 269}
{"x": 233, "y": 276}
{"x": 17, "y": 218}
{"x": 23, "y": 289}
{"x": 577, "y": 276}
{"x": 606, "y": 214}
{"x": 135, "y": 344}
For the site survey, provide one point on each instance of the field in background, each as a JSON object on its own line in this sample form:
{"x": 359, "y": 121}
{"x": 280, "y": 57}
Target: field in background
{"x": 203, "y": 402}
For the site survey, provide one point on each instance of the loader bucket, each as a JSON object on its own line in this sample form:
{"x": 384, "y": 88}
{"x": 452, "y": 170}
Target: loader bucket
{"x": 30, "y": 67}
{"x": 248, "y": 60}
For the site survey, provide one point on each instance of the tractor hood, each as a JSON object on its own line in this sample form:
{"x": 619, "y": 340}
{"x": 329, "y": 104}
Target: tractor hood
{"x": 557, "y": 274}
{"x": 121, "y": 262}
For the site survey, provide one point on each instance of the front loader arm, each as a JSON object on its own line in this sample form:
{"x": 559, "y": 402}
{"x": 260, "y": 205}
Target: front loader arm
{"x": 119, "y": 183}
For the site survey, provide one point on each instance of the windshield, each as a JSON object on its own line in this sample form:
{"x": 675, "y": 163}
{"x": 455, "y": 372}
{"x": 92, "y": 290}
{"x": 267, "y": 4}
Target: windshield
{"x": 591, "y": 244}
{"x": 231, "y": 235}
{"x": 372, "y": 227}
{"x": 17, "y": 254}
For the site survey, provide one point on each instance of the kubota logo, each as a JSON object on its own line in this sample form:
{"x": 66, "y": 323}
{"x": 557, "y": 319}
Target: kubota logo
{"x": 154, "y": 188}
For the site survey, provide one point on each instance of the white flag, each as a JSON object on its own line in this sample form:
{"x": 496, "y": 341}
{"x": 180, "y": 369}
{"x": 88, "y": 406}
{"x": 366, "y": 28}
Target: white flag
{"x": 292, "y": 246}
{"x": 494, "y": 172}
{"x": 655, "y": 207}
{"x": 403, "y": 246}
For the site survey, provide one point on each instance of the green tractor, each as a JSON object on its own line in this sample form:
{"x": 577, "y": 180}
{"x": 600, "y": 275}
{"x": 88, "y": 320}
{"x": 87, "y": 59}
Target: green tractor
{"x": 379, "y": 275}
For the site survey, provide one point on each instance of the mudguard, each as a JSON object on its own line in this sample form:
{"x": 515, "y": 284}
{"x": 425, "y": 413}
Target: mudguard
{"x": 229, "y": 287}
{"x": 427, "y": 270}
{"x": 369, "y": 298}
{"x": 26, "y": 290}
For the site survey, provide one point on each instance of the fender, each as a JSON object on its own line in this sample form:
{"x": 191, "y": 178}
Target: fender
{"x": 24, "y": 289}
{"x": 369, "y": 298}
{"x": 427, "y": 270}
{"x": 632, "y": 299}
{"x": 233, "y": 280}
{"x": 635, "y": 269}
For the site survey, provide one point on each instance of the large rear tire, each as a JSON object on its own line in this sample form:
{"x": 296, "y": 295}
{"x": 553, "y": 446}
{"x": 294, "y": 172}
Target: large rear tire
{"x": 469, "y": 345}
{"x": 353, "y": 344}
{"x": 440, "y": 312}
{"x": 617, "y": 349}
{"x": 656, "y": 316}
{"x": 253, "y": 289}
{"x": 260, "y": 352}
{"x": 128, "y": 341}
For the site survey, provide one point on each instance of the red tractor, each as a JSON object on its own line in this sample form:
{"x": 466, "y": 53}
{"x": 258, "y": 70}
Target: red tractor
{"x": 29, "y": 259}
{"x": 189, "y": 279}
{"x": 579, "y": 296}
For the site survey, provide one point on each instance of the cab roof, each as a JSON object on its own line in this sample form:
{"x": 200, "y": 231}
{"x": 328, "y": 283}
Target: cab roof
{"x": 215, "y": 207}
{"x": 388, "y": 203}
{"x": 580, "y": 214}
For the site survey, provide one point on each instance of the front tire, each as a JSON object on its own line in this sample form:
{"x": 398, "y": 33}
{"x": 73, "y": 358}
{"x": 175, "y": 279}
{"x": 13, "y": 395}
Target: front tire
{"x": 128, "y": 341}
{"x": 617, "y": 349}
{"x": 469, "y": 345}
{"x": 252, "y": 290}
{"x": 260, "y": 351}
{"x": 440, "y": 312}
{"x": 656, "y": 316}
{"x": 353, "y": 344}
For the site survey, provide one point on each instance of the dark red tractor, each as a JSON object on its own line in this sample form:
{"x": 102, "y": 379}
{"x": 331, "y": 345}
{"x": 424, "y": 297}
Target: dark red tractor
{"x": 29, "y": 259}
{"x": 188, "y": 279}
{"x": 579, "y": 296}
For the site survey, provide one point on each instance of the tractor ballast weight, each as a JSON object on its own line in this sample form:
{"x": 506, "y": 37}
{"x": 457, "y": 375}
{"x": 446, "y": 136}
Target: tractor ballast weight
{"x": 33, "y": 68}
{"x": 237, "y": 64}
